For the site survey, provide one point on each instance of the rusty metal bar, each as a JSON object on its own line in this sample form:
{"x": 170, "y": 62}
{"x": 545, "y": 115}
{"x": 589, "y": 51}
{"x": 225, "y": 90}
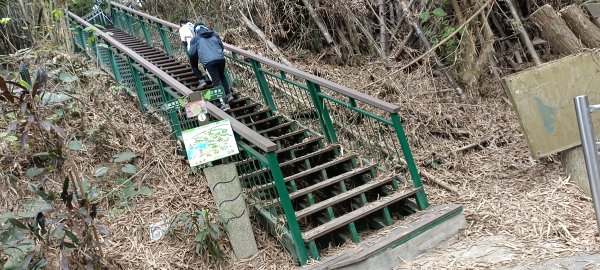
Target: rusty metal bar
{"x": 378, "y": 103}
{"x": 239, "y": 128}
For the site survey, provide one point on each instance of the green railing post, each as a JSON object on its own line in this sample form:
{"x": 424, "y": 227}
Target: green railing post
{"x": 286, "y": 205}
{"x": 113, "y": 65}
{"x": 81, "y": 37}
{"x": 138, "y": 86}
{"x": 324, "y": 116}
{"x": 129, "y": 24}
{"x": 95, "y": 48}
{"x": 144, "y": 30}
{"x": 165, "y": 39}
{"x": 410, "y": 161}
{"x": 263, "y": 85}
{"x": 116, "y": 17}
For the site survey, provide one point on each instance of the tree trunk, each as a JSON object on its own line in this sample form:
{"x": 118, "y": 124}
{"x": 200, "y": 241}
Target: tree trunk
{"x": 556, "y": 30}
{"x": 322, "y": 27}
{"x": 383, "y": 38}
{"x": 524, "y": 37}
{"x": 264, "y": 38}
{"x": 367, "y": 33}
{"x": 583, "y": 28}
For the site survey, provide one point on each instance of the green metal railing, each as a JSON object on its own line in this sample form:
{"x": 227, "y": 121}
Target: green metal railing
{"x": 159, "y": 94}
{"x": 358, "y": 122}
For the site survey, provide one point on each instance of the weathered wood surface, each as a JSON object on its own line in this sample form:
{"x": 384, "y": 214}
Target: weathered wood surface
{"x": 594, "y": 11}
{"x": 556, "y": 31}
{"x": 543, "y": 99}
{"x": 584, "y": 29}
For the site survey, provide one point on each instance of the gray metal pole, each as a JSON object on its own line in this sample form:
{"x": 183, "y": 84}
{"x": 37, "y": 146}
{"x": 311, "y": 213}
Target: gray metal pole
{"x": 590, "y": 151}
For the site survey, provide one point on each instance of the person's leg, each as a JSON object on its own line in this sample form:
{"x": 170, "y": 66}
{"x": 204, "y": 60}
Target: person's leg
{"x": 213, "y": 71}
{"x": 196, "y": 70}
{"x": 222, "y": 78}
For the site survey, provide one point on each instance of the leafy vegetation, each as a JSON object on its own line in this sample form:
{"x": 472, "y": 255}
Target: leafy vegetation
{"x": 439, "y": 27}
{"x": 60, "y": 219}
{"x": 207, "y": 231}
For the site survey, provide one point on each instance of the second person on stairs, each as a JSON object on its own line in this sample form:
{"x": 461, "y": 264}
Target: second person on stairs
{"x": 186, "y": 33}
{"x": 207, "y": 47}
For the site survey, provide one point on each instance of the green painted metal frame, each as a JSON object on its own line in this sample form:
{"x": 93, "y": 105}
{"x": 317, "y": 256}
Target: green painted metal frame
{"x": 326, "y": 98}
{"x": 138, "y": 69}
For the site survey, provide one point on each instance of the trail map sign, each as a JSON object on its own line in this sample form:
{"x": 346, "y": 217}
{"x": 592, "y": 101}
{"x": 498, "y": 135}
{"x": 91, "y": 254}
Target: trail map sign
{"x": 209, "y": 143}
{"x": 543, "y": 99}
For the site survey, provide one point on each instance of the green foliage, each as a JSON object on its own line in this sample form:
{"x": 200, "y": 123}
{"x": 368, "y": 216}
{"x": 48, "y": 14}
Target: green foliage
{"x": 22, "y": 98}
{"x": 75, "y": 145}
{"x": 44, "y": 222}
{"x": 206, "y": 230}
{"x": 81, "y": 7}
{"x": 123, "y": 157}
{"x": 438, "y": 27}
{"x": 54, "y": 220}
{"x": 5, "y": 20}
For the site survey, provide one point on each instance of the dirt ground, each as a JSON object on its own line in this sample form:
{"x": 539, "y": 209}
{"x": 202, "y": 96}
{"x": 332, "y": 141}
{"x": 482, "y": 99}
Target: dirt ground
{"x": 521, "y": 212}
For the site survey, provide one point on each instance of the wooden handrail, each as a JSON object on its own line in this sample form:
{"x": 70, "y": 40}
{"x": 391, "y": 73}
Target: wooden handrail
{"x": 239, "y": 128}
{"x": 357, "y": 95}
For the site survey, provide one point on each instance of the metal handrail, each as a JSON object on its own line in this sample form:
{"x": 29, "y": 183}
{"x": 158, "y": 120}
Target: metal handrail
{"x": 239, "y": 128}
{"x": 359, "y": 96}
{"x": 583, "y": 111}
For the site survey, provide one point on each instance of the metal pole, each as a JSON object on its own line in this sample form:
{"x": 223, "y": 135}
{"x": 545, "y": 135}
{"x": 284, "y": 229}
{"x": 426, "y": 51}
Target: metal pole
{"x": 590, "y": 152}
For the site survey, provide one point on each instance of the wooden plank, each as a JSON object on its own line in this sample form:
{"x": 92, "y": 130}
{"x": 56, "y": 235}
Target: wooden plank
{"x": 331, "y": 181}
{"x": 403, "y": 231}
{"x": 543, "y": 99}
{"x": 325, "y": 150}
{"x": 356, "y": 214}
{"x": 276, "y": 117}
{"x": 249, "y": 106}
{"x": 284, "y": 125}
{"x": 343, "y": 196}
{"x": 266, "y": 110}
{"x": 315, "y": 169}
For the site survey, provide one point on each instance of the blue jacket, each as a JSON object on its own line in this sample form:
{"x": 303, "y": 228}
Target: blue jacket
{"x": 206, "y": 45}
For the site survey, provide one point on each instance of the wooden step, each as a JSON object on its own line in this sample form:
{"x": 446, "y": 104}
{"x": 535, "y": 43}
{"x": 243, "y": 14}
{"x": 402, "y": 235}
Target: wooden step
{"x": 249, "y": 106}
{"x": 276, "y": 117}
{"x": 307, "y": 172}
{"x": 288, "y": 135}
{"x": 298, "y": 145}
{"x": 329, "y": 148}
{"x": 321, "y": 167}
{"x": 236, "y": 102}
{"x": 343, "y": 196}
{"x": 288, "y": 124}
{"x": 325, "y": 150}
{"x": 357, "y": 214}
{"x": 331, "y": 181}
{"x": 287, "y": 163}
{"x": 266, "y": 110}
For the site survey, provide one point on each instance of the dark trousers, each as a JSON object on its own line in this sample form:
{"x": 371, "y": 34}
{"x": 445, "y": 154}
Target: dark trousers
{"x": 216, "y": 70}
{"x": 195, "y": 69}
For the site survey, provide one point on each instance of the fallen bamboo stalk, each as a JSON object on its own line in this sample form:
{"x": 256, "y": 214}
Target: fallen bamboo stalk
{"x": 519, "y": 27}
{"x": 322, "y": 27}
{"x": 433, "y": 179}
{"x": 438, "y": 63}
{"x": 381, "y": 53}
{"x": 442, "y": 42}
{"x": 422, "y": 172}
{"x": 264, "y": 38}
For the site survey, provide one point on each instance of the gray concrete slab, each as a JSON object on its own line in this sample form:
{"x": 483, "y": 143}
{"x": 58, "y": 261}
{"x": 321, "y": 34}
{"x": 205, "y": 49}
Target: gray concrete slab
{"x": 229, "y": 198}
{"x": 389, "y": 259}
{"x": 587, "y": 262}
